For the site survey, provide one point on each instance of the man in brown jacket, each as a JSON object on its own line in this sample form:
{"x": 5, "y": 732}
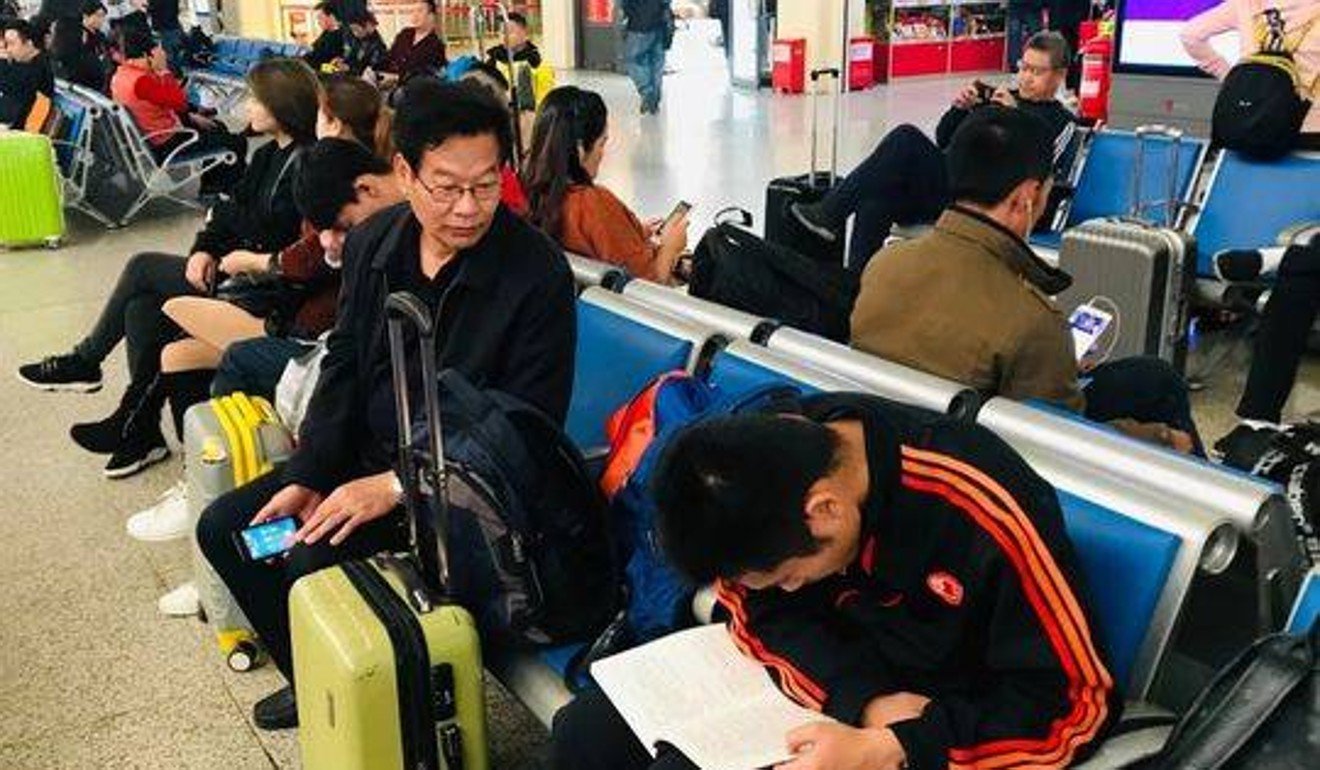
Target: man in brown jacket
{"x": 971, "y": 302}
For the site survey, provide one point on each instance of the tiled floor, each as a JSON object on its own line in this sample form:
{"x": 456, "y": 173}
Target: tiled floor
{"x": 90, "y": 675}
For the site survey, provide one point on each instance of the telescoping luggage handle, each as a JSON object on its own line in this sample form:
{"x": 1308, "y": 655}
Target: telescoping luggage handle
{"x": 427, "y": 535}
{"x": 816, "y": 75}
{"x": 1172, "y": 206}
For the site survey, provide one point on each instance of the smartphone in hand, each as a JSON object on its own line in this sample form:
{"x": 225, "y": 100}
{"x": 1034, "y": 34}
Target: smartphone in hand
{"x": 267, "y": 540}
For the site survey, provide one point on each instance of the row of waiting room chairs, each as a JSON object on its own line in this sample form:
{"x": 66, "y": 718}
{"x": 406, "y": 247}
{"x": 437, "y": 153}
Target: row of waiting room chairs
{"x": 1150, "y": 527}
{"x": 221, "y": 82}
{"x": 105, "y": 160}
{"x": 1222, "y": 199}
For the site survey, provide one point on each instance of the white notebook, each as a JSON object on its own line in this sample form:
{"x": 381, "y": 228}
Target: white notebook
{"x": 696, "y": 691}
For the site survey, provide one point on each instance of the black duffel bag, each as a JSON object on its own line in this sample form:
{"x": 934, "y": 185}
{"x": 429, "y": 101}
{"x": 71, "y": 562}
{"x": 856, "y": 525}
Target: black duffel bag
{"x": 734, "y": 267}
{"x": 1261, "y": 712}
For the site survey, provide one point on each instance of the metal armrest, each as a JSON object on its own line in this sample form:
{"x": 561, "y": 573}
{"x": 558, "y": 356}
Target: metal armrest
{"x": 193, "y": 138}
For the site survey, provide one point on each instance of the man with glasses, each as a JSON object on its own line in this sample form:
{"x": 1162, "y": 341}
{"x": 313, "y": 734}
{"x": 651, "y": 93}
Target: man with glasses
{"x": 503, "y": 296}
{"x": 904, "y": 181}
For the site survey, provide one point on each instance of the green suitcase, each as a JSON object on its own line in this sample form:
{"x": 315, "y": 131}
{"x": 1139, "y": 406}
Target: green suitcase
{"x": 31, "y": 211}
{"x": 388, "y": 673}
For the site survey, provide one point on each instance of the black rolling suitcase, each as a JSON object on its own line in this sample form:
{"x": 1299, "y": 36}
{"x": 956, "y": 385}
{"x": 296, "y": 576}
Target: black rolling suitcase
{"x": 780, "y": 226}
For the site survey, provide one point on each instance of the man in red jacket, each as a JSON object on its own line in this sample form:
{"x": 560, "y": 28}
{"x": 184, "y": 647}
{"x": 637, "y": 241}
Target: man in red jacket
{"x": 159, "y": 106}
{"x": 901, "y": 572}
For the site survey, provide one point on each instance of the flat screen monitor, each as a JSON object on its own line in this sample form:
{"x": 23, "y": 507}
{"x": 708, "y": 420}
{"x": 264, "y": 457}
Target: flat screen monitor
{"x": 1149, "y": 37}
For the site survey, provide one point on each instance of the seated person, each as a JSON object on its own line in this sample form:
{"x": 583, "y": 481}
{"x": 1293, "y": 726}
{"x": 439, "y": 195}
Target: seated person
{"x": 81, "y": 51}
{"x": 971, "y": 302}
{"x": 511, "y": 187}
{"x": 351, "y": 108}
{"x": 329, "y": 45}
{"x": 340, "y": 184}
{"x": 259, "y": 217}
{"x": 568, "y": 145}
{"x": 518, "y": 40}
{"x": 903, "y": 179}
{"x": 25, "y": 71}
{"x": 159, "y": 106}
{"x": 509, "y": 324}
{"x": 364, "y": 48}
{"x": 417, "y": 50}
{"x": 902, "y": 572}
{"x": 1281, "y": 339}
{"x": 1247, "y": 18}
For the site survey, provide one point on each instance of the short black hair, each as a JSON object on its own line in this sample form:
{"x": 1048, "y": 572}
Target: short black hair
{"x": 326, "y": 174}
{"x": 994, "y": 150}
{"x": 90, "y": 7}
{"x": 25, "y": 29}
{"x": 518, "y": 18}
{"x": 1052, "y": 43}
{"x": 329, "y": 8}
{"x": 431, "y": 112}
{"x": 136, "y": 41}
{"x": 730, "y": 493}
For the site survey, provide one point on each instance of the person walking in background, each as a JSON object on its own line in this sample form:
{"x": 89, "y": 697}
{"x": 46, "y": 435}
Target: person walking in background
{"x": 644, "y": 48}
{"x": 329, "y": 45}
{"x": 1301, "y": 32}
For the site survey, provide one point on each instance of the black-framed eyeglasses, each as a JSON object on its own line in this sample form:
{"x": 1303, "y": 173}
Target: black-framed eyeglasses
{"x": 449, "y": 194}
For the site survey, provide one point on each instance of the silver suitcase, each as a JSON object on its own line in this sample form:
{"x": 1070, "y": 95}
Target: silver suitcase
{"x": 1145, "y": 269}
{"x": 228, "y": 442}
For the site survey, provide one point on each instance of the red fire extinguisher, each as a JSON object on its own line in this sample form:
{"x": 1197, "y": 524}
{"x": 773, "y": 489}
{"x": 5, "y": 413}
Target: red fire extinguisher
{"x": 1094, "y": 90}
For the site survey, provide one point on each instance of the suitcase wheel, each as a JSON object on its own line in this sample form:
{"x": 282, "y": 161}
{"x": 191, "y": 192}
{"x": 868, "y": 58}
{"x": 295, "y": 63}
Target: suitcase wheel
{"x": 246, "y": 656}
{"x": 54, "y": 242}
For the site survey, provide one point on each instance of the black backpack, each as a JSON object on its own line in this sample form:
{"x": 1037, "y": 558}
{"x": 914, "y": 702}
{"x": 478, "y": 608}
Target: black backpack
{"x": 1261, "y": 712}
{"x": 531, "y": 550}
{"x": 734, "y": 267}
{"x": 1260, "y": 110}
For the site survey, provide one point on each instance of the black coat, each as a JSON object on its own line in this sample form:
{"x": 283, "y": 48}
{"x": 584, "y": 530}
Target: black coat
{"x": 260, "y": 215}
{"x": 507, "y": 322}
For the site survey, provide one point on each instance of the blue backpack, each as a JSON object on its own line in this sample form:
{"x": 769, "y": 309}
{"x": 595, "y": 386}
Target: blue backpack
{"x": 659, "y": 600}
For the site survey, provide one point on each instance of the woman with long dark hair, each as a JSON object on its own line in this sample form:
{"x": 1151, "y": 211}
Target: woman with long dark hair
{"x": 259, "y": 217}
{"x": 568, "y": 145}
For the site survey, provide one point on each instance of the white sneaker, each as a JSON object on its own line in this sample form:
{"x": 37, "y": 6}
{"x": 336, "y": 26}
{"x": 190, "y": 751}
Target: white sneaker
{"x": 168, "y": 519}
{"x": 182, "y": 602}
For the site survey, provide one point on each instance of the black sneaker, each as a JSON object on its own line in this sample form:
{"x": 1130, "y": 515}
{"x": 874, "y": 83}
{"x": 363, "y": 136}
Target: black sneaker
{"x": 102, "y": 437}
{"x": 138, "y": 451}
{"x": 1238, "y": 265}
{"x": 66, "y": 372}
{"x": 277, "y": 711}
{"x": 809, "y": 216}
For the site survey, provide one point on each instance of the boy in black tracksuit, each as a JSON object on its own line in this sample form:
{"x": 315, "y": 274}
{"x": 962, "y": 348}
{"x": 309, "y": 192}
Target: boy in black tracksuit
{"x": 906, "y": 574}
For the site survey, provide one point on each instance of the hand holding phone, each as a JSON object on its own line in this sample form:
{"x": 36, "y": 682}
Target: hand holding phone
{"x": 675, "y": 216}
{"x": 268, "y": 540}
{"x": 984, "y": 91}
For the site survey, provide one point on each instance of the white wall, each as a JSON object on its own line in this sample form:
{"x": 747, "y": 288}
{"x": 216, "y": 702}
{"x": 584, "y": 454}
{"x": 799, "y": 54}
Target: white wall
{"x": 559, "y": 32}
{"x": 820, "y": 22}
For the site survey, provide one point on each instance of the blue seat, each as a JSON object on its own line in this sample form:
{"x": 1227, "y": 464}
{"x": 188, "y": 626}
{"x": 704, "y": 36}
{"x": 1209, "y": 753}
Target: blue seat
{"x": 1248, "y": 203}
{"x": 1105, "y": 186}
{"x": 1125, "y": 565}
{"x": 621, "y": 346}
{"x": 732, "y": 373}
{"x": 67, "y": 144}
{"x": 1306, "y": 609}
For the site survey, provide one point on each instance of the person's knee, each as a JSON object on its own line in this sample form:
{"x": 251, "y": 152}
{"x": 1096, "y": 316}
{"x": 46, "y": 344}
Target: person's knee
{"x": 215, "y": 531}
{"x": 1157, "y": 376}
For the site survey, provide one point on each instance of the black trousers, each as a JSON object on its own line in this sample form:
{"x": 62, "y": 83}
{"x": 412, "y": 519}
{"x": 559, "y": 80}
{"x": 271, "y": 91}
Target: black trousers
{"x": 133, "y": 313}
{"x": 903, "y": 180}
{"x": 589, "y": 734}
{"x": 1281, "y": 339}
{"x": 262, "y": 589}
{"x": 1142, "y": 388}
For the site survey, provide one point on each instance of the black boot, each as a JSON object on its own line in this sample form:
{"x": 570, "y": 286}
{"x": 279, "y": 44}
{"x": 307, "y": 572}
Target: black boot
{"x": 184, "y": 390}
{"x": 142, "y": 444}
{"x": 104, "y": 436}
